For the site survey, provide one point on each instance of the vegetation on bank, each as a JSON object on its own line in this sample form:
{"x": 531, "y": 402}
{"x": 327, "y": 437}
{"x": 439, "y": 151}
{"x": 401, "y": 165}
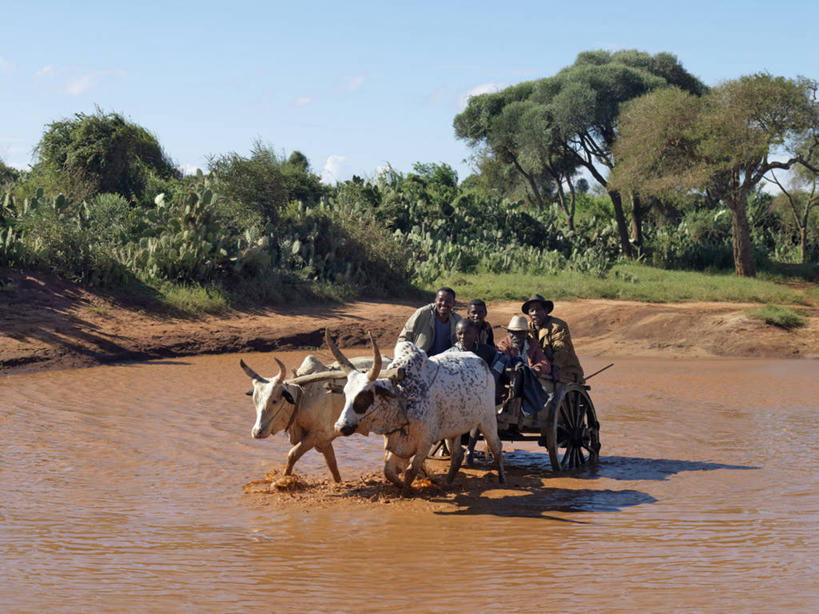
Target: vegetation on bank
{"x": 550, "y": 208}
{"x": 777, "y": 315}
{"x": 627, "y": 281}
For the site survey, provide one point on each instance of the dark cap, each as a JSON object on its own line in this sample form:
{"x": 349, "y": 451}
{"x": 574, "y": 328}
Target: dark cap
{"x": 537, "y": 298}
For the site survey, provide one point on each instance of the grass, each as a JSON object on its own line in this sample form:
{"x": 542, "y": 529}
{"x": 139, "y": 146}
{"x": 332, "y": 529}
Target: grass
{"x": 193, "y": 299}
{"x": 629, "y": 282}
{"x": 99, "y": 308}
{"x": 778, "y": 316}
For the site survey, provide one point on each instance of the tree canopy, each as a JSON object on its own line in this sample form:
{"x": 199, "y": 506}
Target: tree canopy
{"x": 550, "y": 128}
{"x": 101, "y": 152}
{"x": 722, "y": 143}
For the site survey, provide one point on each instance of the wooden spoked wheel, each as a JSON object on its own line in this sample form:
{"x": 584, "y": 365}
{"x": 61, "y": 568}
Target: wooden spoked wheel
{"x": 572, "y": 430}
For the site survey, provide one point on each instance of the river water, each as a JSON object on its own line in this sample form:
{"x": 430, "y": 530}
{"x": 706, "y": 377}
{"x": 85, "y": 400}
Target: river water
{"x": 122, "y": 491}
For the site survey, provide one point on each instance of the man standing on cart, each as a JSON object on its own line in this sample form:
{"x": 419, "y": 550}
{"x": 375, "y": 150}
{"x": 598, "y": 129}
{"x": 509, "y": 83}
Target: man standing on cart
{"x": 552, "y": 334}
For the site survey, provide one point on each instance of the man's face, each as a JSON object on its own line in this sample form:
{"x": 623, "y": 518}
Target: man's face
{"x": 477, "y": 314}
{"x": 538, "y": 314}
{"x": 466, "y": 335}
{"x": 518, "y": 339}
{"x": 443, "y": 305}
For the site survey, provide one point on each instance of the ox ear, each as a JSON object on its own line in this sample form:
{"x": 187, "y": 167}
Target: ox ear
{"x": 249, "y": 393}
{"x": 289, "y": 393}
{"x": 395, "y": 375}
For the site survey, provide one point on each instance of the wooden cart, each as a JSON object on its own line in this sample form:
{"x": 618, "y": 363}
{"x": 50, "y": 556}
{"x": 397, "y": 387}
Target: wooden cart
{"x": 567, "y": 426}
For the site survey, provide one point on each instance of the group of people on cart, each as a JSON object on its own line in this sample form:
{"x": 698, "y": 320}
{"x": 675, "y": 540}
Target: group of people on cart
{"x": 536, "y": 353}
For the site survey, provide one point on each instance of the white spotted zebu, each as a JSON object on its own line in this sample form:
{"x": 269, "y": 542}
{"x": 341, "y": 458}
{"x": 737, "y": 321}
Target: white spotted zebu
{"x": 306, "y": 407}
{"x": 423, "y": 400}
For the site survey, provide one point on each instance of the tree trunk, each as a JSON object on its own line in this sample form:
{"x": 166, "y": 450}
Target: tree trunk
{"x": 532, "y": 184}
{"x": 621, "y": 223}
{"x": 568, "y": 208}
{"x": 803, "y": 242}
{"x": 637, "y": 221}
{"x": 741, "y": 238}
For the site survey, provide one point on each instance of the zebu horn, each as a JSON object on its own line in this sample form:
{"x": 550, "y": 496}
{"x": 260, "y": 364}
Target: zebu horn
{"x": 250, "y": 372}
{"x": 343, "y": 362}
{"x": 282, "y": 369}
{"x": 372, "y": 374}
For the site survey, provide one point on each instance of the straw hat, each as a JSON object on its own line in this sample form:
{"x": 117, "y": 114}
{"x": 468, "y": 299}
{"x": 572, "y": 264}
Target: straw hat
{"x": 518, "y": 324}
{"x": 537, "y": 298}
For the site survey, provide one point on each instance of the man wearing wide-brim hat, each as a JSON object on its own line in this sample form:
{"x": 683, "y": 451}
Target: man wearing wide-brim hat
{"x": 552, "y": 334}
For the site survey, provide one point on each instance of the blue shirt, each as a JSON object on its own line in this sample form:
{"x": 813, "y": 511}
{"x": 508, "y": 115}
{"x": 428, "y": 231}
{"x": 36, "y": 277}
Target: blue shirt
{"x": 442, "y": 340}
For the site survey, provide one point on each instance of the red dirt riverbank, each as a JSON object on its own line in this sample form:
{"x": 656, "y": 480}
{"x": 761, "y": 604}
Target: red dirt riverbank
{"x": 46, "y": 323}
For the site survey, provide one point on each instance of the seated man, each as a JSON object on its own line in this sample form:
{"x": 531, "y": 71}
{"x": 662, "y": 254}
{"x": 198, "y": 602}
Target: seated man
{"x": 477, "y": 313}
{"x": 529, "y": 364}
{"x": 432, "y": 327}
{"x": 517, "y": 345}
{"x": 553, "y": 336}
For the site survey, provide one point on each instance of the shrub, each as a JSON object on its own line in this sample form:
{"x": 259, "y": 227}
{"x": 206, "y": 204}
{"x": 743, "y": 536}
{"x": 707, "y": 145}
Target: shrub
{"x": 775, "y": 315}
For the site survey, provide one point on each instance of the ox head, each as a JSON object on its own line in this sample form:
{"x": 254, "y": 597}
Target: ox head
{"x": 363, "y": 391}
{"x": 273, "y": 399}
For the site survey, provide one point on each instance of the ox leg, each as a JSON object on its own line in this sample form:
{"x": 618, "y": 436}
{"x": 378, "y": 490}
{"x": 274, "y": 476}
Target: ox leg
{"x": 393, "y": 466}
{"x": 456, "y": 459}
{"x": 416, "y": 464}
{"x": 330, "y": 458}
{"x": 493, "y": 442}
{"x": 470, "y": 447}
{"x": 297, "y": 451}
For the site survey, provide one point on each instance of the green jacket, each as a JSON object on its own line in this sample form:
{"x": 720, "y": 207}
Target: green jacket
{"x": 420, "y": 328}
{"x": 556, "y": 342}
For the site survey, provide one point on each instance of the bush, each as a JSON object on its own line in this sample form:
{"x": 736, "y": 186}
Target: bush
{"x": 775, "y": 315}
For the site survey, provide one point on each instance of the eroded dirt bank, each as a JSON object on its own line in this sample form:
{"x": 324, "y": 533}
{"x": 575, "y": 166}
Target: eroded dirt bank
{"x": 46, "y": 323}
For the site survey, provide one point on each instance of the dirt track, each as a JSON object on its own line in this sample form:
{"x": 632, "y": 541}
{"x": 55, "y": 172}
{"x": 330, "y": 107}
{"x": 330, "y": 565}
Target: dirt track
{"x": 46, "y": 323}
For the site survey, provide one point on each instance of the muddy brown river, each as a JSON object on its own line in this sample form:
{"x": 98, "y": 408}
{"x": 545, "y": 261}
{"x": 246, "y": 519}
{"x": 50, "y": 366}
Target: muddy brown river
{"x": 123, "y": 490}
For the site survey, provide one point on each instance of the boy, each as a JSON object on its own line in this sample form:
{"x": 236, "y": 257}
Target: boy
{"x": 476, "y": 311}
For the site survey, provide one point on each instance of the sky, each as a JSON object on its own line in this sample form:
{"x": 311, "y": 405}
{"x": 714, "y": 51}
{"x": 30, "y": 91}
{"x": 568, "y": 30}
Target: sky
{"x": 352, "y": 85}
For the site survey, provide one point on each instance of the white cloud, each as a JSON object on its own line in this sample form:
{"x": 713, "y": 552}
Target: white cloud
{"x": 188, "y": 169}
{"x": 483, "y": 88}
{"x": 303, "y": 101}
{"x": 353, "y": 82}
{"x": 75, "y": 87}
{"x": 82, "y": 84}
{"x": 5, "y": 65}
{"x": 333, "y": 169}
{"x": 45, "y": 70}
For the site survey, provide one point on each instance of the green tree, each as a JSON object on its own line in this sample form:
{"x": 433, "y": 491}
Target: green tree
{"x": 101, "y": 152}
{"x": 8, "y": 174}
{"x": 802, "y": 197}
{"x": 264, "y": 182}
{"x": 720, "y": 143}
{"x": 569, "y": 119}
{"x": 299, "y": 180}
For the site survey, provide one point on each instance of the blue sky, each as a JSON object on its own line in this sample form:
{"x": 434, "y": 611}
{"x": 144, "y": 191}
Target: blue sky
{"x": 354, "y": 86}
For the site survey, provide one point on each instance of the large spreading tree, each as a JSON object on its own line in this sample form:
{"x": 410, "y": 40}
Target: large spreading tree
{"x": 549, "y": 129}
{"x": 721, "y": 144}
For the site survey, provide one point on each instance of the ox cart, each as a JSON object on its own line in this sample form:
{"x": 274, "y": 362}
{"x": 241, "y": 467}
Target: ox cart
{"x": 567, "y": 426}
